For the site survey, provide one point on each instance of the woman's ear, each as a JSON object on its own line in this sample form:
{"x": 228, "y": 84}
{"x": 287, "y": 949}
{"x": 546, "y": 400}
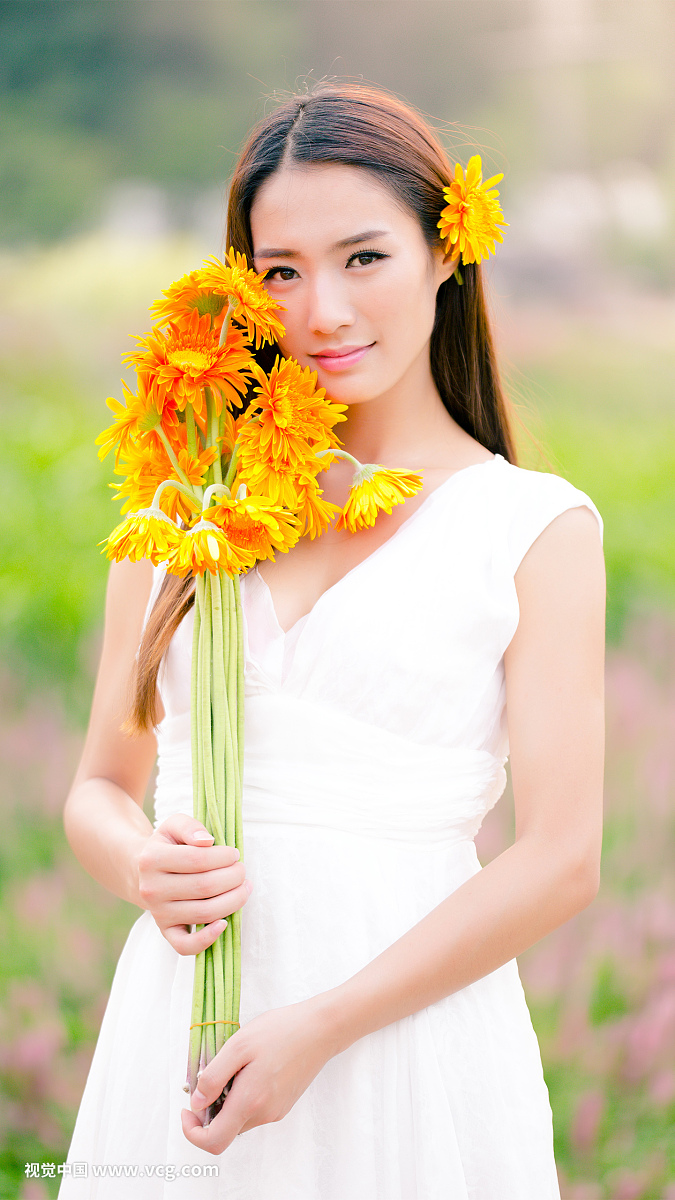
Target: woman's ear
{"x": 445, "y": 265}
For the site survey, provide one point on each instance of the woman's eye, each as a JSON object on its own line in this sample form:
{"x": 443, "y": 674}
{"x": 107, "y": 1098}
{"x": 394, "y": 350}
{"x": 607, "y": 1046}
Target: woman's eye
{"x": 369, "y": 254}
{"x": 273, "y": 271}
{"x": 287, "y": 273}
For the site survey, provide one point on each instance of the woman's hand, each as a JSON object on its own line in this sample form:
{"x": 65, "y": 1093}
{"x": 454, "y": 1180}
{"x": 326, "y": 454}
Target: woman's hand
{"x": 273, "y": 1058}
{"x": 184, "y": 880}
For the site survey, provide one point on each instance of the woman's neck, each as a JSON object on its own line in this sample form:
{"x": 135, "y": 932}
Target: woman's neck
{"x": 406, "y": 426}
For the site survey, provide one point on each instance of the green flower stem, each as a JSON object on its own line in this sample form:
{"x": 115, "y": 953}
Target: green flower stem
{"x": 232, "y": 698}
{"x": 199, "y": 807}
{"x": 219, "y": 718}
{"x": 209, "y": 477}
{"x": 211, "y": 491}
{"x": 232, "y": 967}
{"x": 223, "y": 775}
{"x": 213, "y": 427}
{"x": 233, "y": 302}
{"x": 215, "y": 817}
{"x": 221, "y": 1008}
{"x": 197, "y": 1013}
{"x": 209, "y": 1007}
{"x": 230, "y": 765}
{"x": 219, "y": 713}
{"x": 180, "y": 487}
{"x": 221, "y": 424}
{"x": 238, "y": 702}
{"x": 340, "y": 454}
{"x": 174, "y": 461}
{"x": 217, "y": 701}
{"x": 236, "y": 588}
{"x": 231, "y": 469}
{"x": 191, "y": 431}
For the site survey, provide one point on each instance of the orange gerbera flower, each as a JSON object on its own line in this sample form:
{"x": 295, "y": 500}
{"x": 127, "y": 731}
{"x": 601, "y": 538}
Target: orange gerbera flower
{"x": 184, "y": 361}
{"x": 255, "y": 524}
{"x": 255, "y": 309}
{"x": 137, "y": 419}
{"x": 375, "y": 487}
{"x": 188, "y": 294}
{"x": 149, "y": 533}
{"x": 294, "y": 418}
{"x": 205, "y": 548}
{"x": 473, "y": 215}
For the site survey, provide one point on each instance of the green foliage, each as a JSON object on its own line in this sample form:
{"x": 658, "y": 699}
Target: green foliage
{"x": 54, "y": 507}
{"x": 601, "y": 407}
{"x": 609, "y": 1000}
{"x": 94, "y": 92}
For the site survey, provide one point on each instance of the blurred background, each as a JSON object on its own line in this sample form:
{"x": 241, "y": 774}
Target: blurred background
{"x": 120, "y": 122}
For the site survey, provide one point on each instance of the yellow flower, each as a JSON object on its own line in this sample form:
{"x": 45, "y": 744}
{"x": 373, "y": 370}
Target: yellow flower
{"x": 255, "y": 524}
{"x": 293, "y": 419}
{"x": 184, "y": 361}
{"x": 137, "y": 419}
{"x": 315, "y": 513}
{"x": 279, "y": 483}
{"x": 375, "y": 487}
{"x": 205, "y": 548}
{"x": 473, "y": 215}
{"x": 256, "y": 308}
{"x": 149, "y": 533}
{"x": 146, "y": 467}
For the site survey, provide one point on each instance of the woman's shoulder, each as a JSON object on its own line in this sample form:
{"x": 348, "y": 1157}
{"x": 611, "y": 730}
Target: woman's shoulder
{"x": 523, "y": 502}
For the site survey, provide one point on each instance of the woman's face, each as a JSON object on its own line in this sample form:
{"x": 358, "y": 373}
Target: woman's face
{"x": 354, "y": 273}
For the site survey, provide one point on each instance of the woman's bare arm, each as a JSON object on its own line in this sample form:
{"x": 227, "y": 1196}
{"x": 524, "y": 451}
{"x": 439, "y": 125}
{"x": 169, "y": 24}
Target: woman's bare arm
{"x": 172, "y": 871}
{"x": 103, "y": 815}
{"x": 555, "y": 703}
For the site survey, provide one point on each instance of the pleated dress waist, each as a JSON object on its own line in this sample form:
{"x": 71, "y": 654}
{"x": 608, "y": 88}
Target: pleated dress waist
{"x": 306, "y": 764}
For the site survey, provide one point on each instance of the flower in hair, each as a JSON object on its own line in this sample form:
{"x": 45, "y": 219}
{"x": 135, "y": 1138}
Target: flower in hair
{"x": 472, "y": 217}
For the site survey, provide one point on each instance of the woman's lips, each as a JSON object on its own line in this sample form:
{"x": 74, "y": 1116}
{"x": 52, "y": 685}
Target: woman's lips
{"x": 340, "y": 362}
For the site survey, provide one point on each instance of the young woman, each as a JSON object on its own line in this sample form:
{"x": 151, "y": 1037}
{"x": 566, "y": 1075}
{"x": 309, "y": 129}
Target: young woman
{"x": 386, "y": 1051}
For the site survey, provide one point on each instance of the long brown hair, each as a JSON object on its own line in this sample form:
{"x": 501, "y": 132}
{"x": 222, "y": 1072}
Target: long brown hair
{"x": 365, "y": 127}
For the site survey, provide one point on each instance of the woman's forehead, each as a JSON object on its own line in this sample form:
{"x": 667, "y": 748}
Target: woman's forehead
{"x": 334, "y": 199}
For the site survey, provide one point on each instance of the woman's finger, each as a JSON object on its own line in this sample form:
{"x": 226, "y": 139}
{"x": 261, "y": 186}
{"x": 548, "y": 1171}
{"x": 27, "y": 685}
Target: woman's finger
{"x": 180, "y": 827}
{"x": 200, "y": 912}
{"x": 238, "y": 1107}
{"x": 163, "y": 855}
{"x": 163, "y": 887}
{"x": 186, "y": 943}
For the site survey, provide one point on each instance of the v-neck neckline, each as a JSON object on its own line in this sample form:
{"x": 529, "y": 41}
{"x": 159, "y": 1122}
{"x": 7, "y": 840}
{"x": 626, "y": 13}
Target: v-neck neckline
{"x": 347, "y": 575}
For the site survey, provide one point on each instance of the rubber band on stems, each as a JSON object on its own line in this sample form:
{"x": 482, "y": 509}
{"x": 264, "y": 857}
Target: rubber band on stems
{"x": 218, "y": 1022}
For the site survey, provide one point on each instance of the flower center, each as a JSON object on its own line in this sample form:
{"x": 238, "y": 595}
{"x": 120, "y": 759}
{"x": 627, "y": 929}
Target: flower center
{"x": 244, "y": 532}
{"x": 282, "y": 409}
{"x": 192, "y": 362}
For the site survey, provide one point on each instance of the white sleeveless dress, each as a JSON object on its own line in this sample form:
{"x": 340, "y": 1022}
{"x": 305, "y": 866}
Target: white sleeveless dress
{"x": 375, "y": 744}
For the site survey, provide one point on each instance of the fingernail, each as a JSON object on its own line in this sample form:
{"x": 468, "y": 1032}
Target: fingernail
{"x": 201, "y": 835}
{"x": 198, "y": 1099}
{"x": 236, "y": 854}
{"x": 249, "y": 886}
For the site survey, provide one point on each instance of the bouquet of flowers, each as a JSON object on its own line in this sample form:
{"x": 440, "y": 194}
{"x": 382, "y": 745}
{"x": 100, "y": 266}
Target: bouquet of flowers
{"x": 219, "y": 463}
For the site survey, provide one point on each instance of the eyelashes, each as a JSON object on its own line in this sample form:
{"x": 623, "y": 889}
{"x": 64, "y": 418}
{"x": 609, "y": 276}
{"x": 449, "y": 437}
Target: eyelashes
{"x": 271, "y": 274}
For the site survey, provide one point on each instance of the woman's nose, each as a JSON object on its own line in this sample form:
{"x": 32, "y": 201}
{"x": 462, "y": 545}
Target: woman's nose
{"x": 328, "y": 306}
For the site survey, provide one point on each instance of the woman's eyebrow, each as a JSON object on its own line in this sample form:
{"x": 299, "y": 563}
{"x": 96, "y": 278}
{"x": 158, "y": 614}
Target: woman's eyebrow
{"x": 274, "y": 252}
